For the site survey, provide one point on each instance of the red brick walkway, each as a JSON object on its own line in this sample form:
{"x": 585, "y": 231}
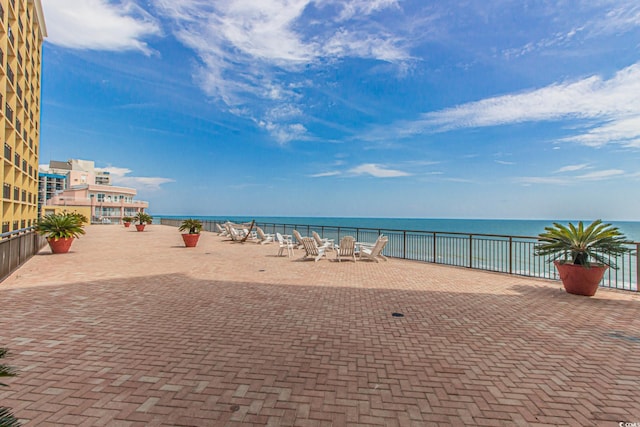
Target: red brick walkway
{"x": 133, "y": 329}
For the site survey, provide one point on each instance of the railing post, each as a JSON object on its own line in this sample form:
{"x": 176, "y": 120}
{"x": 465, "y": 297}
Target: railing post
{"x": 638, "y": 267}
{"x": 404, "y": 244}
{"x": 470, "y": 250}
{"x": 510, "y": 254}
{"x": 435, "y": 247}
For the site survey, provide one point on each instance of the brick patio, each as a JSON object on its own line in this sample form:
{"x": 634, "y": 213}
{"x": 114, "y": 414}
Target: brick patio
{"x": 132, "y": 329}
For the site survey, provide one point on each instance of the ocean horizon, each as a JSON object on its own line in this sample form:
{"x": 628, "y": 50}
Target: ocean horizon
{"x": 506, "y": 227}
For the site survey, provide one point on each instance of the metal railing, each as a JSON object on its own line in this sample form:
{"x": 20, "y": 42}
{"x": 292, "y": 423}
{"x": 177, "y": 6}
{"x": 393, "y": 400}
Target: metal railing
{"x": 16, "y": 247}
{"x": 489, "y": 252}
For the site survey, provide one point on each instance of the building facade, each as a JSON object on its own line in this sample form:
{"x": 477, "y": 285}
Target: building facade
{"x": 22, "y": 31}
{"x": 85, "y": 188}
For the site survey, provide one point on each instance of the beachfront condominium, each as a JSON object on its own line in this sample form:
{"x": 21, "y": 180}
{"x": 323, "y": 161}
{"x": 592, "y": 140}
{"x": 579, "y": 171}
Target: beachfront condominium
{"x": 22, "y": 30}
{"x": 77, "y": 186}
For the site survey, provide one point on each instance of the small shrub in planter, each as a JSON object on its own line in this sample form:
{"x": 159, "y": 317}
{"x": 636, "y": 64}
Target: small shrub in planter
{"x": 582, "y": 254}
{"x": 193, "y": 228}
{"x": 60, "y": 230}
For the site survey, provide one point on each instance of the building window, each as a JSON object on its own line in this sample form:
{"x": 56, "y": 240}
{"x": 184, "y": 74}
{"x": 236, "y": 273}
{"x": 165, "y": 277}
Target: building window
{"x": 16, "y": 158}
{"x": 6, "y": 191}
{"x": 16, "y": 193}
{"x": 24, "y": 165}
{"x": 100, "y": 197}
{"x": 24, "y": 195}
{"x": 15, "y": 225}
{"x": 5, "y": 226}
{"x": 7, "y": 151}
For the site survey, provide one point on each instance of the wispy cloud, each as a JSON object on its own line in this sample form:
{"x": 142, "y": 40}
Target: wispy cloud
{"x": 253, "y": 54}
{"x": 326, "y": 174}
{"x": 99, "y": 25}
{"x": 572, "y": 179}
{"x": 572, "y": 168}
{"x": 609, "y": 109}
{"x": 377, "y": 171}
{"x": 120, "y": 176}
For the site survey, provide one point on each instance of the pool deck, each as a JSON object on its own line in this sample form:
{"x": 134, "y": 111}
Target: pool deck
{"x": 133, "y": 329}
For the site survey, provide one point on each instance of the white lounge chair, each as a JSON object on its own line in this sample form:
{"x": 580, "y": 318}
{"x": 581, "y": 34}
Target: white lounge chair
{"x": 328, "y": 243}
{"x": 298, "y": 238}
{"x": 374, "y": 252}
{"x": 264, "y": 238}
{"x": 312, "y": 250}
{"x": 284, "y": 244}
{"x": 346, "y": 248}
{"x": 221, "y": 231}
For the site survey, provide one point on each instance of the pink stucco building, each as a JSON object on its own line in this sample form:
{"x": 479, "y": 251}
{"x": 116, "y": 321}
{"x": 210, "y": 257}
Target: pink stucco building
{"x": 86, "y": 189}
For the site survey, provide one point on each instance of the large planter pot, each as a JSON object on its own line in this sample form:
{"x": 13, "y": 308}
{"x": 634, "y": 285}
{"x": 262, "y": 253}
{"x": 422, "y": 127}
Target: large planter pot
{"x": 140, "y": 227}
{"x": 60, "y": 246}
{"x": 190, "y": 240}
{"x": 580, "y": 280}
{"x": 127, "y": 224}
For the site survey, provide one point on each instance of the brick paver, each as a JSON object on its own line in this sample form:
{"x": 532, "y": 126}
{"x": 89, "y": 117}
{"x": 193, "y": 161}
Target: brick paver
{"x": 132, "y": 329}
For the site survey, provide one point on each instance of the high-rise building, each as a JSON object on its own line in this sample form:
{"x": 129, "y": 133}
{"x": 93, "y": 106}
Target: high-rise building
{"x": 22, "y": 31}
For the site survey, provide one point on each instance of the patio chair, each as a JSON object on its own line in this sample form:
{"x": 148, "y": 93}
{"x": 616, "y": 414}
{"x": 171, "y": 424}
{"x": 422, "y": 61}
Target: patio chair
{"x": 312, "y": 250}
{"x": 328, "y": 243}
{"x": 298, "y": 238}
{"x": 373, "y": 252}
{"x": 262, "y": 237}
{"x": 284, "y": 244}
{"x": 346, "y": 248}
{"x": 221, "y": 231}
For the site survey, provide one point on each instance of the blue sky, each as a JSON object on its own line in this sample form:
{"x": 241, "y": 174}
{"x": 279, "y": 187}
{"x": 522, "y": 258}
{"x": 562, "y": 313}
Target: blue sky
{"x": 375, "y": 108}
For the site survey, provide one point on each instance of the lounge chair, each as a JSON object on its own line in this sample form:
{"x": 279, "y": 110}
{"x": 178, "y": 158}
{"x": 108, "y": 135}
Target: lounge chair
{"x": 312, "y": 250}
{"x": 221, "y": 231}
{"x": 298, "y": 238}
{"x": 346, "y": 248}
{"x": 373, "y": 252}
{"x": 328, "y": 243}
{"x": 284, "y": 244}
{"x": 262, "y": 237}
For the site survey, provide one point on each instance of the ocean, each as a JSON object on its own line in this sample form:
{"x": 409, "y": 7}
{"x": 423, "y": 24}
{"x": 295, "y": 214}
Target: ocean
{"x": 507, "y": 227}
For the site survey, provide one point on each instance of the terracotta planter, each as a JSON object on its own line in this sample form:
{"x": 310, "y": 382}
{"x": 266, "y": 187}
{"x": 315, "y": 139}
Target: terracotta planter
{"x": 60, "y": 246}
{"x": 190, "y": 240}
{"x": 127, "y": 224}
{"x": 140, "y": 227}
{"x": 579, "y": 280}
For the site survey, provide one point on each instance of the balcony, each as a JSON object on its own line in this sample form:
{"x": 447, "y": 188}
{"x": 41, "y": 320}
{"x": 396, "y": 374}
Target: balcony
{"x": 8, "y": 113}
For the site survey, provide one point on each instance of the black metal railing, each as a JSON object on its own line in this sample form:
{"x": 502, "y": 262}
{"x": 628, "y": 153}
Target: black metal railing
{"x": 489, "y": 252}
{"x": 16, "y": 247}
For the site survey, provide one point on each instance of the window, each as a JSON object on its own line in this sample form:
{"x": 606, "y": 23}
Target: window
{"x": 5, "y": 227}
{"x": 7, "y": 151}
{"x": 6, "y": 191}
{"x": 16, "y": 158}
{"x": 16, "y": 193}
{"x": 100, "y": 197}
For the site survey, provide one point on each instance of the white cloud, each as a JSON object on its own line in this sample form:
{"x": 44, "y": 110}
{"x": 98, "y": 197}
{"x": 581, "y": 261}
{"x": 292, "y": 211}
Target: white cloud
{"x": 600, "y": 175}
{"x": 568, "y": 180}
{"x": 99, "y": 25}
{"x": 609, "y": 109}
{"x": 572, "y": 168}
{"x": 120, "y": 177}
{"x": 252, "y": 52}
{"x": 325, "y": 174}
{"x": 377, "y": 171}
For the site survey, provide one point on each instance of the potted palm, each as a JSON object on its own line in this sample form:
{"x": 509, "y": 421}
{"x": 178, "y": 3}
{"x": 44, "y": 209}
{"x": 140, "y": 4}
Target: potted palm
{"x": 143, "y": 219}
{"x": 582, "y": 254}
{"x": 127, "y": 220}
{"x": 60, "y": 230}
{"x": 193, "y": 226}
